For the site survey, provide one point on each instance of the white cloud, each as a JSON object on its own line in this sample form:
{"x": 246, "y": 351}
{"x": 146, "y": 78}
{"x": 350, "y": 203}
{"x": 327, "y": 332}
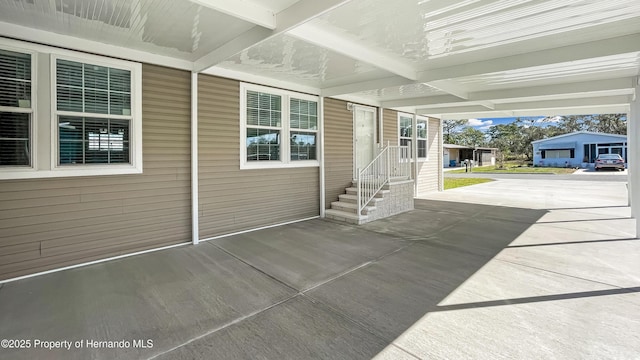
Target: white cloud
{"x": 477, "y": 122}
{"x": 553, "y": 119}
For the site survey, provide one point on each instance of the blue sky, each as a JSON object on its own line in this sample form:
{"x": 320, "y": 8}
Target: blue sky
{"x": 484, "y": 124}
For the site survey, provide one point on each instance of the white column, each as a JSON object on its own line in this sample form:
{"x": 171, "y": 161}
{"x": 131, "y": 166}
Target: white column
{"x": 195, "y": 213}
{"x": 320, "y": 150}
{"x": 441, "y": 160}
{"x": 633, "y": 142}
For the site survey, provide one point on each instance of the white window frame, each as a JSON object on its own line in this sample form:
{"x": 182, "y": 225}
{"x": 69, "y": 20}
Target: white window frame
{"x": 135, "y": 127}
{"x": 285, "y": 129}
{"x": 411, "y": 138}
{"x": 426, "y": 138}
{"x": 7, "y": 171}
{"x": 45, "y": 122}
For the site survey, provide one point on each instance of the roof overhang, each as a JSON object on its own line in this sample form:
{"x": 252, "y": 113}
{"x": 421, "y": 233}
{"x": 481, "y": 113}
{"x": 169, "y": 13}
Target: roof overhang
{"x": 450, "y": 60}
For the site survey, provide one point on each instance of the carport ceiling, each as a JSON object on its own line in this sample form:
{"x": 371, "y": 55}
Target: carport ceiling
{"x": 437, "y": 57}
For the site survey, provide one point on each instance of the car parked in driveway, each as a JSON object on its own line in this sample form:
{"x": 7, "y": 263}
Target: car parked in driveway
{"x": 609, "y": 161}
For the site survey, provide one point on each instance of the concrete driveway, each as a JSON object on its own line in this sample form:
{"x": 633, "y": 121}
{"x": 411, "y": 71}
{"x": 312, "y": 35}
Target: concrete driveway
{"x": 507, "y": 269}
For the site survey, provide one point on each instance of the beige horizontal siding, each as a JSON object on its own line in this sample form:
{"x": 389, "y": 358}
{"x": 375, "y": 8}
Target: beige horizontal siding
{"x": 52, "y": 223}
{"x": 428, "y": 177}
{"x": 390, "y": 127}
{"x": 338, "y": 149}
{"x": 231, "y": 199}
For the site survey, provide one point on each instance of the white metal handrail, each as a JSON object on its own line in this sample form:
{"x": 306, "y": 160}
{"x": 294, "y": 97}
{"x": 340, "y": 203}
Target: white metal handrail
{"x": 392, "y": 162}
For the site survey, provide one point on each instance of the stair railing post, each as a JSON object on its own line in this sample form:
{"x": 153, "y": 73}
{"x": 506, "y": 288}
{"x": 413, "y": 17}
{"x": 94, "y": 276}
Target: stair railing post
{"x": 388, "y": 165}
{"x": 359, "y": 192}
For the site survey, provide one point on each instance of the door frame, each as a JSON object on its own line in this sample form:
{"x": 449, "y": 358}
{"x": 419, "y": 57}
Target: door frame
{"x": 373, "y": 111}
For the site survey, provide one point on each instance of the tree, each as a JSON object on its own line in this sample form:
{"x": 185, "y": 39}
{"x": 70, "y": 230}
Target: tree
{"x": 610, "y": 123}
{"x": 471, "y": 137}
{"x": 451, "y": 129}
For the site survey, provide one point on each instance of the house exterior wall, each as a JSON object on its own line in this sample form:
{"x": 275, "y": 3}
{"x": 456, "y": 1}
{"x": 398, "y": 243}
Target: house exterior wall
{"x": 579, "y": 139}
{"x": 231, "y": 199}
{"x": 428, "y": 172}
{"x": 56, "y": 222}
{"x": 390, "y": 127}
{"x": 338, "y": 149}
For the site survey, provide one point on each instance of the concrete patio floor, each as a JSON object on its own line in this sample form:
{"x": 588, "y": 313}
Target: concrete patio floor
{"x": 507, "y": 269}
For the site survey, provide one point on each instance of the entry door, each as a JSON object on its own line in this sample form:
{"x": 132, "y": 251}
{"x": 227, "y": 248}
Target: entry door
{"x": 364, "y": 120}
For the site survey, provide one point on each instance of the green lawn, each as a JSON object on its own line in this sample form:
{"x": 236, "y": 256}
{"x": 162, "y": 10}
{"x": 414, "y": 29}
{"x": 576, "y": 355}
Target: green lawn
{"x": 452, "y": 183}
{"x": 517, "y": 169}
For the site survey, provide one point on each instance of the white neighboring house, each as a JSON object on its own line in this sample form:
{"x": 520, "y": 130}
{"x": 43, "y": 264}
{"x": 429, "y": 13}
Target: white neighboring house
{"x": 577, "y": 149}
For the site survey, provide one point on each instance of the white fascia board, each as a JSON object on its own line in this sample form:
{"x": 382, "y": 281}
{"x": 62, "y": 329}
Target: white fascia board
{"x": 337, "y": 41}
{"x": 537, "y": 105}
{"x": 260, "y": 80}
{"x": 588, "y": 50}
{"x": 559, "y": 91}
{"x": 245, "y": 10}
{"x": 90, "y": 46}
{"x": 298, "y": 13}
{"x": 610, "y": 109}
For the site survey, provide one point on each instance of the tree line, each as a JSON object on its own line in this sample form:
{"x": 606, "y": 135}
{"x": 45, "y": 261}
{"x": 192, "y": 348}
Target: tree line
{"x": 514, "y": 139}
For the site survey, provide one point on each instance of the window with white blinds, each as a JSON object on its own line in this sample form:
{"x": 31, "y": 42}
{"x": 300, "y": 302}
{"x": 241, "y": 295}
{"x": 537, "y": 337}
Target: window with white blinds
{"x": 405, "y": 131}
{"x": 93, "y": 109}
{"x": 422, "y": 127}
{"x": 86, "y": 121}
{"x": 16, "y": 109}
{"x": 279, "y": 128}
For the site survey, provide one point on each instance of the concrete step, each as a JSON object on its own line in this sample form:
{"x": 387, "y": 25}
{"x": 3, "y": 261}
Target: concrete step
{"x": 380, "y": 194}
{"x": 351, "y": 207}
{"x": 353, "y": 199}
{"x": 344, "y": 216}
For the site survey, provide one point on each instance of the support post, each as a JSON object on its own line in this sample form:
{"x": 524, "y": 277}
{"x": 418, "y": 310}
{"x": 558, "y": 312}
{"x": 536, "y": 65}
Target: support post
{"x": 633, "y": 143}
{"x": 195, "y": 216}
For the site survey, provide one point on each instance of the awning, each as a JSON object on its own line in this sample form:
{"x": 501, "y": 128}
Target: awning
{"x": 557, "y": 146}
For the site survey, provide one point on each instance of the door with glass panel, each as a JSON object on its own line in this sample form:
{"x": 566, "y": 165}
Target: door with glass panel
{"x": 364, "y": 123}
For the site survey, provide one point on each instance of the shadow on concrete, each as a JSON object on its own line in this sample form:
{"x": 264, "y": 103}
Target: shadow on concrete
{"x": 537, "y": 299}
{"x": 390, "y": 295}
{"x": 571, "y": 242}
{"x": 315, "y": 289}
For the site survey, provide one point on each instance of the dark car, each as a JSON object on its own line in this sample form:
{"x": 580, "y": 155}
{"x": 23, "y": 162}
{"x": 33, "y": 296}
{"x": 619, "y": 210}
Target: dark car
{"x": 609, "y": 161}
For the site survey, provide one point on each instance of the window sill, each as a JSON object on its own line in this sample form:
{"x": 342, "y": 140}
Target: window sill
{"x": 279, "y": 165}
{"x": 68, "y": 172}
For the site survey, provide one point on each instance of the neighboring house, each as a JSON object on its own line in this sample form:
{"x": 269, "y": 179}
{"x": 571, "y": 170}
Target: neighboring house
{"x": 577, "y": 149}
{"x": 104, "y": 157}
{"x": 455, "y": 155}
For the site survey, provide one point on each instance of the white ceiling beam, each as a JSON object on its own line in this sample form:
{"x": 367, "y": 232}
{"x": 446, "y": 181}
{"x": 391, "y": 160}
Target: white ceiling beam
{"x": 450, "y": 86}
{"x": 515, "y": 93}
{"x": 535, "y": 105}
{"x": 594, "y": 49}
{"x": 340, "y": 42}
{"x": 244, "y": 10}
{"x": 487, "y": 104}
{"x": 605, "y": 109}
{"x": 298, "y": 13}
{"x": 372, "y": 84}
{"x": 366, "y": 85}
